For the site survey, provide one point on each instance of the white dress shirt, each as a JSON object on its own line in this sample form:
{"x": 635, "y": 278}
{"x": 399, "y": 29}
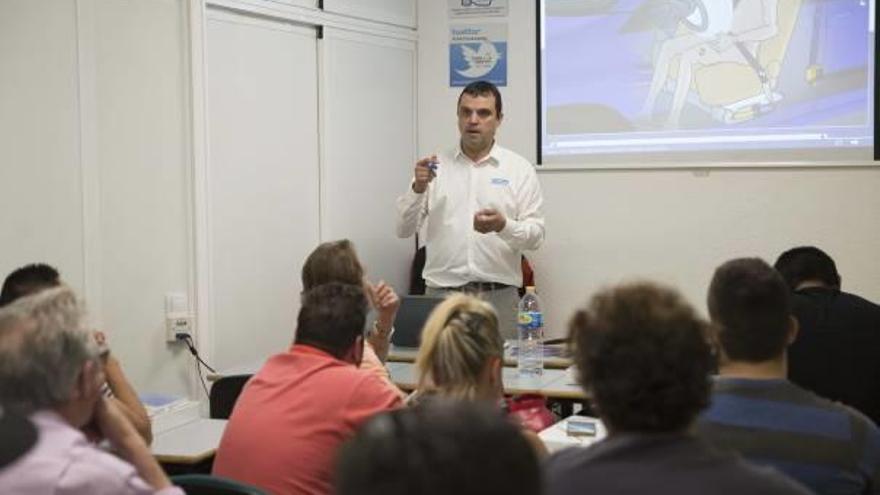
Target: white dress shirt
{"x": 458, "y": 254}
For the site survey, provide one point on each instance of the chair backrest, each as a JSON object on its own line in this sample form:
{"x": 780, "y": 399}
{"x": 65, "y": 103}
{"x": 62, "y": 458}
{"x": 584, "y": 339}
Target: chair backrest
{"x": 730, "y": 82}
{"x": 205, "y": 484}
{"x": 224, "y": 393}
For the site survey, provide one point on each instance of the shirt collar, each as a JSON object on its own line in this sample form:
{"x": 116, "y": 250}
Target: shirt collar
{"x": 311, "y": 350}
{"x": 734, "y": 381}
{"x": 493, "y": 158}
{"x": 49, "y": 419}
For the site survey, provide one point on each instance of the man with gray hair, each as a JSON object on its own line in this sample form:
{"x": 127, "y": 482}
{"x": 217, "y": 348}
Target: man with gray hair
{"x": 50, "y": 370}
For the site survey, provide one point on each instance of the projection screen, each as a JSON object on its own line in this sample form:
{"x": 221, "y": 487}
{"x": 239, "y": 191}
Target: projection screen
{"x": 633, "y": 83}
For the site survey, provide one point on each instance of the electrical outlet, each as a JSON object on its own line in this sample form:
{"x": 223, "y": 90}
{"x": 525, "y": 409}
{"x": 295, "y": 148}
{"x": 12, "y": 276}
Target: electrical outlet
{"x": 178, "y": 319}
{"x": 177, "y": 324}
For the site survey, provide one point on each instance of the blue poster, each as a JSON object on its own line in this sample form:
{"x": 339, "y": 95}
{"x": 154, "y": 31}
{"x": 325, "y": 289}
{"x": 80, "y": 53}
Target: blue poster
{"x": 478, "y": 52}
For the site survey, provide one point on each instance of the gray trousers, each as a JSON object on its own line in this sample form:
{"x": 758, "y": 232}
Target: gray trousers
{"x": 504, "y": 301}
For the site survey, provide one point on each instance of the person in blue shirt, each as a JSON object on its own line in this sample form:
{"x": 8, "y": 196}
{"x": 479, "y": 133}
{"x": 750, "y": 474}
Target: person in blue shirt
{"x": 642, "y": 355}
{"x": 829, "y": 447}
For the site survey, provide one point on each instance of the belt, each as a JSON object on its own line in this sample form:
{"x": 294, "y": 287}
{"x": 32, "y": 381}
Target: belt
{"x": 479, "y": 287}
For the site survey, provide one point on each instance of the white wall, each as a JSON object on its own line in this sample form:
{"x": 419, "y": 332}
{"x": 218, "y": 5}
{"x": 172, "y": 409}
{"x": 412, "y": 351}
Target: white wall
{"x": 41, "y": 210}
{"x": 263, "y": 202}
{"x": 105, "y": 164}
{"x": 368, "y": 138}
{"x": 671, "y": 226}
{"x": 94, "y": 153}
{"x": 142, "y": 136}
{"x": 400, "y": 12}
{"x": 308, "y": 140}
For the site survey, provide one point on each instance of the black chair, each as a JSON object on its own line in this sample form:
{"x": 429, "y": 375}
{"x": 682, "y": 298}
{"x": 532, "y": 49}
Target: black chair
{"x": 19, "y": 435}
{"x": 205, "y": 484}
{"x": 224, "y": 393}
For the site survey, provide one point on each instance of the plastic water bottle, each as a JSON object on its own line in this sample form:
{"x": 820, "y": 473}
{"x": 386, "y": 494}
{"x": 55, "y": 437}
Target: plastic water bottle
{"x": 530, "y": 333}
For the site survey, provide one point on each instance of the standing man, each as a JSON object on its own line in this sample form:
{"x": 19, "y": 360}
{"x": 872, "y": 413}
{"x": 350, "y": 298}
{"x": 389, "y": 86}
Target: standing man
{"x": 482, "y": 204}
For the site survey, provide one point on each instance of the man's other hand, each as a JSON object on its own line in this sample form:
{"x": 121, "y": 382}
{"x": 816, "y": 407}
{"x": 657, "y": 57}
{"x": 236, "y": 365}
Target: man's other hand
{"x": 489, "y": 220}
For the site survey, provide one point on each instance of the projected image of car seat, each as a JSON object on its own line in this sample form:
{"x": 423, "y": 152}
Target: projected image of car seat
{"x": 724, "y": 58}
{"x": 739, "y": 90}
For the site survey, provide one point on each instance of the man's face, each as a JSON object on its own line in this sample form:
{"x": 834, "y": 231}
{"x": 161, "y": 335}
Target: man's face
{"x": 477, "y": 121}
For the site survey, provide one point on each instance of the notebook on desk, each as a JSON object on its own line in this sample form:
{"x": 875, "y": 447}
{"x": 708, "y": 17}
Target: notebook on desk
{"x": 411, "y": 317}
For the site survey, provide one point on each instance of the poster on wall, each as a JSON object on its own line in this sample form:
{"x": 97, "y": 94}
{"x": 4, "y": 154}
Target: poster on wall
{"x": 478, "y": 52}
{"x": 459, "y": 9}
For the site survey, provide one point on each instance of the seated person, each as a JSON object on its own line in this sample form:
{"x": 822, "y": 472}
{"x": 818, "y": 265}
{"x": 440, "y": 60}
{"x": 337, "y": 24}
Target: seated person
{"x": 461, "y": 353}
{"x": 440, "y": 447}
{"x": 461, "y": 356}
{"x": 732, "y": 33}
{"x": 294, "y": 413}
{"x": 51, "y": 372}
{"x": 755, "y": 411}
{"x": 835, "y": 354}
{"x": 643, "y": 357}
{"x": 337, "y": 261}
{"x": 33, "y": 278}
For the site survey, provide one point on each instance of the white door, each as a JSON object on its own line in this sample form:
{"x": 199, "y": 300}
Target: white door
{"x": 263, "y": 179}
{"x": 368, "y": 95}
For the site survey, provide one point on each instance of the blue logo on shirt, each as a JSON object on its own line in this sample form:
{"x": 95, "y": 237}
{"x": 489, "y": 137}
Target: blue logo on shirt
{"x": 500, "y": 181}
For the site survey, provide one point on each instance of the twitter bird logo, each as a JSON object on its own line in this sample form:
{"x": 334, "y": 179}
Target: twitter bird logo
{"x": 480, "y": 61}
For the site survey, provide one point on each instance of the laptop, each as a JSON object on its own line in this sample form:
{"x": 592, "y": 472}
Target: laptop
{"x": 411, "y": 317}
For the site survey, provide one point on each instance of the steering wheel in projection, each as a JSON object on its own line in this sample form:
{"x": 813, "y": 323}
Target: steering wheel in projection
{"x": 696, "y": 5}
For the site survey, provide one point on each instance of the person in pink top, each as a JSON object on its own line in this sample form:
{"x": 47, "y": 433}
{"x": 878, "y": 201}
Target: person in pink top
{"x": 337, "y": 261}
{"x": 293, "y": 415}
{"x": 51, "y": 371}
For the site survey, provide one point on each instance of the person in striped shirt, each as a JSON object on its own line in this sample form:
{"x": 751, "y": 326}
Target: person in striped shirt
{"x": 755, "y": 410}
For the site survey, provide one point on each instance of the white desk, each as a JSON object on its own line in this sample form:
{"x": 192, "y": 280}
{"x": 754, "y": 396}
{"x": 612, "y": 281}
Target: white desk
{"x": 408, "y": 355}
{"x": 555, "y": 438}
{"x": 553, "y": 383}
{"x": 189, "y": 443}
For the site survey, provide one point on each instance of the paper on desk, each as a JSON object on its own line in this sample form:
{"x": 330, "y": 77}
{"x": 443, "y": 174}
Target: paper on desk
{"x": 157, "y": 404}
{"x": 550, "y": 351}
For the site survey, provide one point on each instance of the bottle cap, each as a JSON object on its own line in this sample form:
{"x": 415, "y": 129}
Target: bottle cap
{"x": 530, "y": 289}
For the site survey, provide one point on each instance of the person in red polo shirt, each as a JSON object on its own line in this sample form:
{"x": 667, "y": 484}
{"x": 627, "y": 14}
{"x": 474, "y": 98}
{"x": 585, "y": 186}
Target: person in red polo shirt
{"x": 298, "y": 409}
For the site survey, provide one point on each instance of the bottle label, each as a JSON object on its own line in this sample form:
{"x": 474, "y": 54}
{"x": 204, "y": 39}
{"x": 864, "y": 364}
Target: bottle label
{"x": 530, "y": 319}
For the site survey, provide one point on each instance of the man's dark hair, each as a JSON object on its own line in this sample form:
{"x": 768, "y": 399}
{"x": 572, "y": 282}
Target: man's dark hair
{"x": 439, "y": 447}
{"x": 28, "y": 280}
{"x": 807, "y": 263}
{"x": 643, "y": 354}
{"x": 332, "y": 317}
{"x": 483, "y": 88}
{"x": 750, "y": 305}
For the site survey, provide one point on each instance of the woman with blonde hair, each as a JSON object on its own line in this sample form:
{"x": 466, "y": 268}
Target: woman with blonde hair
{"x": 462, "y": 352}
{"x": 461, "y": 357}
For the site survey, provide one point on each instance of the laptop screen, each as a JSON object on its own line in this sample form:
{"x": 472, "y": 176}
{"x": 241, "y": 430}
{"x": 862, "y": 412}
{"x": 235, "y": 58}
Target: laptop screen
{"x": 411, "y": 317}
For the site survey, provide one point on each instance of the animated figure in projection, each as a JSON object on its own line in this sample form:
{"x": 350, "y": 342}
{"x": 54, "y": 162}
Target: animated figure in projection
{"x": 726, "y": 35}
